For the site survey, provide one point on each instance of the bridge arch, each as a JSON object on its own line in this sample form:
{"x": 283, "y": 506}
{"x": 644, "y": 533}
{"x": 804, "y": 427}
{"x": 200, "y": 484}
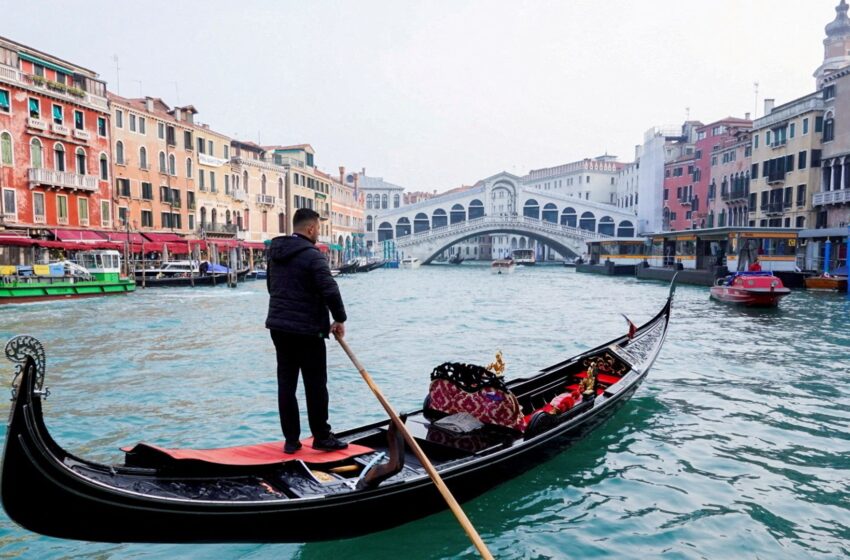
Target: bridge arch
{"x": 588, "y": 221}
{"x": 458, "y": 214}
{"x": 385, "y": 231}
{"x": 531, "y": 209}
{"x": 421, "y": 222}
{"x": 558, "y": 246}
{"x": 439, "y": 218}
{"x": 503, "y": 198}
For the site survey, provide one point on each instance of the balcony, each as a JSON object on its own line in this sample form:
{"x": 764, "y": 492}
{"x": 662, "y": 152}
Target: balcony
{"x": 9, "y": 217}
{"x": 266, "y": 199}
{"x": 218, "y": 228}
{"x": 775, "y": 178}
{"x": 239, "y": 194}
{"x": 37, "y": 124}
{"x": 735, "y": 195}
{"x": 59, "y": 129}
{"x": 62, "y": 179}
{"x": 39, "y": 219}
{"x": 62, "y": 91}
{"x": 84, "y": 222}
{"x": 686, "y": 200}
{"x": 831, "y": 197}
{"x": 82, "y": 134}
{"x": 772, "y": 208}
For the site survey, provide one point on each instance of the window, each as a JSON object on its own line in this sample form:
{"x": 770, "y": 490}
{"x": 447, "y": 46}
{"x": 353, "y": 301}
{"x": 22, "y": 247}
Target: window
{"x": 58, "y": 114}
{"x": 172, "y": 165}
{"x": 105, "y": 213}
{"x": 801, "y": 195}
{"x": 201, "y": 145}
{"x": 35, "y": 108}
{"x": 142, "y": 125}
{"x": 212, "y": 181}
{"x": 79, "y": 120}
{"x": 119, "y": 152}
{"x": 801, "y": 221}
{"x": 104, "y": 168}
{"x": 191, "y": 221}
{"x": 119, "y": 119}
{"x": 6, "y": 148}
{"x": 160, "y": 131}
{"x": 132, "y": 122}
{"x": 10, "y": 208}
{"x": 36, "y": 155}
{"x": 801, "y": 160}
{"x": 210, "y": 147}
{"x": 226, "y": 151}
{"x": 81, "y": 161}
{"x": 147, "y": 191}
{"x": 59, "y": 157}
{"x": 123, "y": 215}
{"x": 187, "y": 140}
{"x": 101, "y": 127}
{"x": 202, "y": 184}
{"x": 83, "y": 211}
{"x": 227, "y": 184}
{"x": 62, "y": 208}
{"x": 815, "y": 158}
{"x": 143, "y": 158}
{"x": 5, "y": 101}
{"x": 38, "y": 207}
{"x": 828, "y": 129}
{"x": 39, "y": 70}
{"x": 170, "y": 136}
{"x": 190, "y": 199}
{"x": 818, "y": 124}
{"x": 791, "y": 129}
{"x": 123, "y": 187}
{"x": 805, "y": 126}
{"x": 162, "y": 162}
{"x": 189, "y": 168}
{"x": 756, "y": 141}
{"x": 829, "y": 92}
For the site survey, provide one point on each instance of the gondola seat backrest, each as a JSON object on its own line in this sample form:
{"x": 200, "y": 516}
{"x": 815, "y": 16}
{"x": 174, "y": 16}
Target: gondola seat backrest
{"x": 457, "y": 387}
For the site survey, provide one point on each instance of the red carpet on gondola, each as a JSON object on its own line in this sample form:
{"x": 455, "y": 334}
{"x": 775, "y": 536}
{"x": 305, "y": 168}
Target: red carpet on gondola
{"x": 252, "y": 455}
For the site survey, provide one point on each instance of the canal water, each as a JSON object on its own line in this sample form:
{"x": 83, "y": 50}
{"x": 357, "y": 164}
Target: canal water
{"x": 737, "y": 445}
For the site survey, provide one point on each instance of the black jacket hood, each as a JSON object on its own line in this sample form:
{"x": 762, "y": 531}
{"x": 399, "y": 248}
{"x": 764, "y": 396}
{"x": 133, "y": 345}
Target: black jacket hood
{"x": 285, "y": 247}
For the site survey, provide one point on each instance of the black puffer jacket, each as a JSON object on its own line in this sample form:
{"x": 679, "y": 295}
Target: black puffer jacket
{"x": 301, "y": 288}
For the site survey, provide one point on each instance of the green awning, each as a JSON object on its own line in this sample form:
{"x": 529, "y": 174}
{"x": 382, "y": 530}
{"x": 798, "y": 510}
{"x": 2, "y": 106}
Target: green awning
{"x": 320, "y": 195}
{"x": 335, "y": 247}
{"x": 44, "y": 63}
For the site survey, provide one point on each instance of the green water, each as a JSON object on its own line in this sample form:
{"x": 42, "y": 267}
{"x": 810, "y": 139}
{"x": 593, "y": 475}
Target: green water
{"x": 737, "y": 445}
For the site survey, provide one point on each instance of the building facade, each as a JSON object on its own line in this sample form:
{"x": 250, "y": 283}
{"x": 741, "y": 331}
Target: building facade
{"x": 347, "y": 220}
{"x": 785, "y": 171}
{"x": 593, "y": 179}
{"x": 55, "y": 155}
{"x": 379, "y": 197}
{"x": 259, "y": 188}
{"x": 216, "y": 211}
{"x": 729, "y": 179}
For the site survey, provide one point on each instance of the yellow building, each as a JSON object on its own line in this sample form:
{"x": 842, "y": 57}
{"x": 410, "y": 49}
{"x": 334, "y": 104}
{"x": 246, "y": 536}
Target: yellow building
{"x": 215, "y": 216}
{"x": 258, "y": 186}
{"x": 307, "y": 187}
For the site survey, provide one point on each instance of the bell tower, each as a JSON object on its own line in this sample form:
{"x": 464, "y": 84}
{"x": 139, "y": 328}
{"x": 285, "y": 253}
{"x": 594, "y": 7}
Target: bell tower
{"x": 836, "y": 45}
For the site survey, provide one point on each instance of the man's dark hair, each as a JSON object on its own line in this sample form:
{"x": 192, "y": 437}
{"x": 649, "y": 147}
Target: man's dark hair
{"x": 303, "y": 216}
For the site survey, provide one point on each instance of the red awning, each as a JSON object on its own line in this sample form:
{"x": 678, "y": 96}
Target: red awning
{"x": 122, "y": 236}
{"x": 254, "y": 245}
{"x": 163, "y": 237}
{"x": 77, "y": 235}
{"x": 16, "y": 241}
{"x": 223, "y": 243}
{"x": 322, "y": 247}
{"x": 178, "y": 248}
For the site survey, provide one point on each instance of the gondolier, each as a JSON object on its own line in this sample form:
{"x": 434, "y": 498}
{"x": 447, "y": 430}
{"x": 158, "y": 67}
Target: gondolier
{"x": 301, "y": 293}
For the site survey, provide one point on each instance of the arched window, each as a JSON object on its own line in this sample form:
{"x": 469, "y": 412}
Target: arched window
{"x": 383, "y": 201}
{"x": 36, "y": 154}
{"x": 263, "y": 183}
{"x": 385, "y": 231}
{"x": 606, "y": 225}
{"x": 458, "y": 214}
{"x": 172, "y": 165}
{"x": 119, "y": 152}
{"x": 81, "y": 161}
{"x": 245, "y": 181}
{"x": 402, "y": 227}
{"x": 281, "y": 222}
{"x": 476, "y": 209}
{"x": 280, "y": 190}
{"x": 104, "y": 168}
{"x": 421, "y": 223}
{"x": 568, "y": 217}
{"x": 203, "y": 216}
{"x": 213, "y": 217}
{"x": 368, "y": 201}
{"x": 58, "y": 157}
{"x": 627, "y": 229}
{"x": 162, "y": 162}
{"x": 143, "y": 158}
{"x": 227, "y": 217}
{"x": 550, "y": 213}
{"x": 6, "y": 149}
{"x": 369, "y": 223}
{"x": 588, "y": 221}
{"x": 396, "y": 201}
{"x": 189, "y": 167}
{"x": 439, "y": 218}
{"x": 531, "y": 209}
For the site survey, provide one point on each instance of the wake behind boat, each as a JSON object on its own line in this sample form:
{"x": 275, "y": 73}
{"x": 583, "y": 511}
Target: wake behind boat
{"x": 258, "y": 494}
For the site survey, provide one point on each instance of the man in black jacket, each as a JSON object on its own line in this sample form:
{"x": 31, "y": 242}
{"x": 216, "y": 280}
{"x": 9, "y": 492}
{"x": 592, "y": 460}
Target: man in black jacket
{"x": 301, "y": 291}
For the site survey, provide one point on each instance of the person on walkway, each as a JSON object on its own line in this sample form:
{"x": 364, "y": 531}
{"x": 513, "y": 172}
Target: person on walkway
{"x": 301, "y": 292}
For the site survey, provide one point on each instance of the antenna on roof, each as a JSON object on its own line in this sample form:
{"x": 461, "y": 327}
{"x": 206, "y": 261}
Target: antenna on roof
{"x": 756, "y": 88}
{"x": 117, "y": 75}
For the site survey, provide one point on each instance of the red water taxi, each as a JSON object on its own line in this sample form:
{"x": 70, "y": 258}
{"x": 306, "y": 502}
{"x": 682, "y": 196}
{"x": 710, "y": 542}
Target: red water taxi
{"x": 750, "y": 288}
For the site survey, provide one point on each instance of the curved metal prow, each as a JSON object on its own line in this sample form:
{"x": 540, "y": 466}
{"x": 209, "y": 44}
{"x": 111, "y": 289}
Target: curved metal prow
{"x": 18, "y": 350}
{"x": 673, "y": 286}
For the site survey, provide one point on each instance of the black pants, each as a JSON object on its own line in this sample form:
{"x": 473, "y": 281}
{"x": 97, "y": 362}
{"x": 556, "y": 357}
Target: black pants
{"x": 306, "y": 354}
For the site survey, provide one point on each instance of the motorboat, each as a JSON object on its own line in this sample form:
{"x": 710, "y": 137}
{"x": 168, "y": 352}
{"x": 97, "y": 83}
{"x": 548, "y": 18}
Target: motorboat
{"x": 751, "y": 288}
{"x": 409, "y": 263}
{"x": 503, "y": 266}
{"x": 524, "y": 257}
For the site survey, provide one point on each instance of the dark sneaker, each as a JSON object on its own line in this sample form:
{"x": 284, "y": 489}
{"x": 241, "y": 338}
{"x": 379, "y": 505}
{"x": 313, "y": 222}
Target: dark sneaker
{"x": 330, "y": 443}
{"x": 291, "y": 448}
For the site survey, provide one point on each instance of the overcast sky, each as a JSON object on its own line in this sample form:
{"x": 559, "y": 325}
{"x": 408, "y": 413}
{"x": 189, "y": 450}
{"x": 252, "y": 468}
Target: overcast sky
{"x": 432, "y": 95}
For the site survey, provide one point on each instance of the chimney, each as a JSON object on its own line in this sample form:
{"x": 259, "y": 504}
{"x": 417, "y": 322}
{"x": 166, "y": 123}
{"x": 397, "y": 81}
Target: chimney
{"x": 190, "y": 117}
{"x": 149, "y": 104}
{"x": 363, "y": 171}
{"x": 768, "y": 106}
{"x": 178, "y": 114}
{"x": 746, "y": 116}
{"x": 342, "y": 174}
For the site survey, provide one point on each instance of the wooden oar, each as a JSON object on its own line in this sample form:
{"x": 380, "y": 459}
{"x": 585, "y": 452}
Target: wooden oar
{"x": 432, "y": 472}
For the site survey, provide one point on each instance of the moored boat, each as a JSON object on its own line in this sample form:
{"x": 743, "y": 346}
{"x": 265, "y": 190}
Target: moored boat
{"x": 96, "y": 273}
{"x": 524, "y": 257}
{"x": 503, "y": 266}
{"x": 836, "y": 281}
{"x": 456, "y": 258}
{"x": 758, "y": 289}
{"x": 409, "y": 263}
{"x": 259, "y": 494}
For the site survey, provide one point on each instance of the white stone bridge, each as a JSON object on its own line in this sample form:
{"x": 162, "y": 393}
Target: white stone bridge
{"x": 498, "y": 204}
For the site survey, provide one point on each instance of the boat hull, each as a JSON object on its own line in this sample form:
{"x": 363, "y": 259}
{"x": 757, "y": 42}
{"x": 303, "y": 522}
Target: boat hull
{"x": 22, "y": 292}
{"x": 754, "y": 298}
{"x": 833, "y": 283}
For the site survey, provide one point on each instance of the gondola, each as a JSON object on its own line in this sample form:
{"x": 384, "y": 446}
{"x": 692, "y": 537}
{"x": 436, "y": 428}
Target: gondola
{"x": 254, "y": 494}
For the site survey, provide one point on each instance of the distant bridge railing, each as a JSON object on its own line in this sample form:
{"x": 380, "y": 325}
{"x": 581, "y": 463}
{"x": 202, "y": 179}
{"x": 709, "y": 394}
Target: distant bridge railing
{"x": 495, "y": 222}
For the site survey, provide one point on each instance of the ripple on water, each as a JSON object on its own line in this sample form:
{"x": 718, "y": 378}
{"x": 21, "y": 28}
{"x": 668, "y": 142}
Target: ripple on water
{"x": 736, "y": 446}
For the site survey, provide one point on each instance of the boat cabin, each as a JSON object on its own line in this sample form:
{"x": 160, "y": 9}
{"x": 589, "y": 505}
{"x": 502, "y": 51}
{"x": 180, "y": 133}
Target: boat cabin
{"x": 101, "y": 264}
{"x": 625, "y": 250}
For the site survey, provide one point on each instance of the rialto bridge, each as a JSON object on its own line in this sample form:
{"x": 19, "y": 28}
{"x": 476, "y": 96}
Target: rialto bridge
{"x": 498, "y": 204}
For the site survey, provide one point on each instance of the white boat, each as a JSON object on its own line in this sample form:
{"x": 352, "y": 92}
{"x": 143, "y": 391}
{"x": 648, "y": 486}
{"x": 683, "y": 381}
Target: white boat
{"x": 410, "y": 263}
{"x": 524, "y": 256}
{"x": 503, "y": 266}
{"x": 170, "y": 269}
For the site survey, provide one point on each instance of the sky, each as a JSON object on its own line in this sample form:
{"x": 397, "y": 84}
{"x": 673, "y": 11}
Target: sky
{"x": 436, "y": 94}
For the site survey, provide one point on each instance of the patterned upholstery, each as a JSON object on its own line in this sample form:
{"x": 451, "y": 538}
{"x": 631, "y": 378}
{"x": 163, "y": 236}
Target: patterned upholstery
{"x": 488, "y": 404}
